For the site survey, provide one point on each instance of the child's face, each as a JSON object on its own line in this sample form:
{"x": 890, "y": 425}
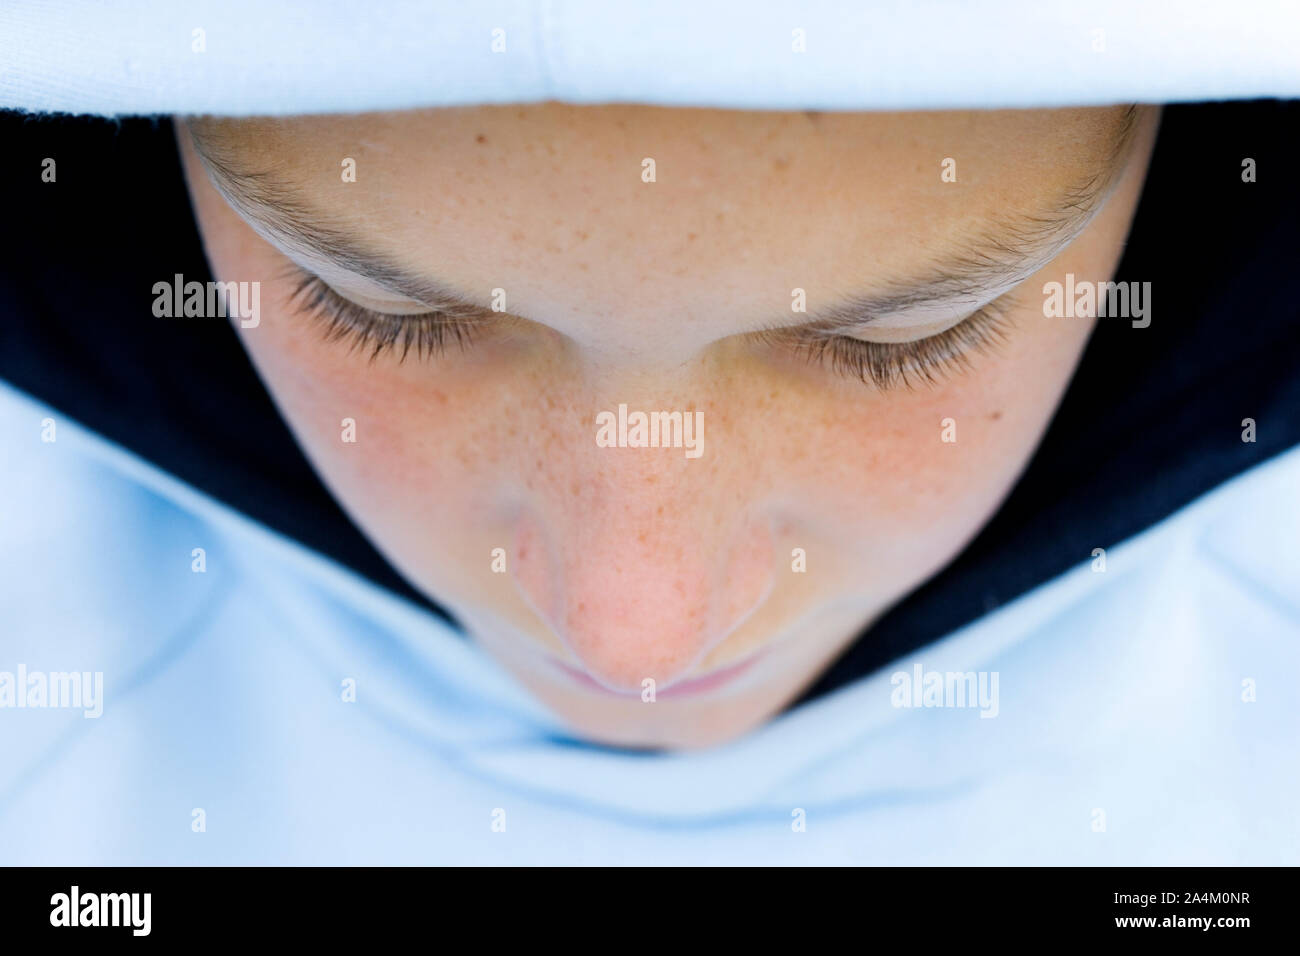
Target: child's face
{"x": 676, "y": 564}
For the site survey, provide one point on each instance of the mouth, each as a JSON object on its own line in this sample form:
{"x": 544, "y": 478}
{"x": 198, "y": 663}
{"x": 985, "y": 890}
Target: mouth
{"x": 691, "y": 687}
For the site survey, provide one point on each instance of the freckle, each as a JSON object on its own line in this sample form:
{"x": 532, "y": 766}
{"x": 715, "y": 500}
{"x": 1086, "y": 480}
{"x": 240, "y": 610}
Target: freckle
{"x": 995, "y": 416}
{"x": 480, "y": 138}
{"x": 516, "y": 236}
{"x": 780, "y": 165}
{"x": 582, "y": 236}
{"x": 691, "y": 237}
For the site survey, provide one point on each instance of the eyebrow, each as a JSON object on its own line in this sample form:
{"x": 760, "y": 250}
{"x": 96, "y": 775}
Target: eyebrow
{"x": 277, "y": 211}
{"x": 1007, "y": 251}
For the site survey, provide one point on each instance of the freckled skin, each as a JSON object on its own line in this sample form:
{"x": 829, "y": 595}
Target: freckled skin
{"x": 635, "y": 563}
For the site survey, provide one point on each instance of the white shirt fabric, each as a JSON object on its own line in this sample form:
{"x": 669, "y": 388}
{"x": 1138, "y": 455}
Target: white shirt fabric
{"x": 243, "y": 57}
{"x": 1146, "y": 714}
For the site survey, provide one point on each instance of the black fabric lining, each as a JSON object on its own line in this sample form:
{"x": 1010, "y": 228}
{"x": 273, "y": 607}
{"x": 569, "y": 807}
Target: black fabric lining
{"x": 1151, "y": 420}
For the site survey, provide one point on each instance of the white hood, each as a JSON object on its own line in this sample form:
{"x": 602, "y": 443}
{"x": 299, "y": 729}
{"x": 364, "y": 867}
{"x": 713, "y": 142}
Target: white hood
{"x": 245, "y": 57}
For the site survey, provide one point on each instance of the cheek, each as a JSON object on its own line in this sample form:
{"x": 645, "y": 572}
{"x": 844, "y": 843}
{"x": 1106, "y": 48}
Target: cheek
{"x": 414, "y": 451}
{"x": 909, "y": 477}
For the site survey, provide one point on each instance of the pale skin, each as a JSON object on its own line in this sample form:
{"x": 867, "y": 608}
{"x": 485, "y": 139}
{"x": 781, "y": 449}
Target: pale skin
{"x": 635, "y": 564}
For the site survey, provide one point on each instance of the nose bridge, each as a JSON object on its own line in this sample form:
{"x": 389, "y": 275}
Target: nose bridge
{"x": 641, "y": 559}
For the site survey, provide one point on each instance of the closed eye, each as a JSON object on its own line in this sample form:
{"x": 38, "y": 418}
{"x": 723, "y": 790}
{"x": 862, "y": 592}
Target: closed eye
{"x": 888, "y": 365}
{"x": 426, "y": 333}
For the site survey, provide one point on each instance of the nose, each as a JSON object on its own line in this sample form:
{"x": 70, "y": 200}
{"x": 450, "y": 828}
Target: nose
{"x": 642, "y": 585}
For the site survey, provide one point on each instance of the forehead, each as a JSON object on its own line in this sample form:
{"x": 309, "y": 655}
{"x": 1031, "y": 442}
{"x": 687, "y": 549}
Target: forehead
{"x": 622, "y": 212}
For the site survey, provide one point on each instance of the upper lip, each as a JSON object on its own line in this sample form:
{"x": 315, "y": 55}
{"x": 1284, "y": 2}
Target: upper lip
{"x": 685, "y": 685}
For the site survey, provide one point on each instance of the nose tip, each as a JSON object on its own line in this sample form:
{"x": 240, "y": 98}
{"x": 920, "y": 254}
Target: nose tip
{"x": 641, "y": 600}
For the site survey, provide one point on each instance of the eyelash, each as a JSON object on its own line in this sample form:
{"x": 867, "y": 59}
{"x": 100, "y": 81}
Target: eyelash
{"x": 885, "y": 365}
{"x": 427, "y": 333}
{"x": 888, "y": 365}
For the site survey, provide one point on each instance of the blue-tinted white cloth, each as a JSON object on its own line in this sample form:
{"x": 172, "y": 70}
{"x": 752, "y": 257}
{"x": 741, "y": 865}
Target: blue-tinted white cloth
{"x": 1124, "y": 732}
{"x": 241, "y": 57}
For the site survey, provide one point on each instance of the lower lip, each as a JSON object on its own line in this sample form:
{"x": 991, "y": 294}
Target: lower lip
{"x": 687, "y": 688}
